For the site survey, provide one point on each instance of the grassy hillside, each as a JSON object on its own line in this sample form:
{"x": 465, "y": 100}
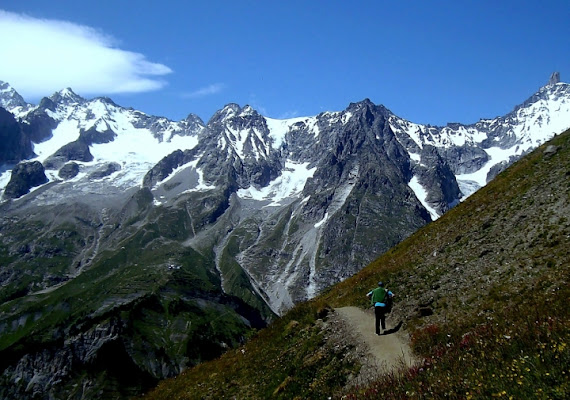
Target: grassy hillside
{"x": 482, "y": 294}
{"x": 146, "y": 308}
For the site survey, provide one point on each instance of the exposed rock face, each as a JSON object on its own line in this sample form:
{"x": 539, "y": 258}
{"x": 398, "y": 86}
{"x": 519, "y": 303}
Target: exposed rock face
{"x": 466, "y": 159}
{"x": 253, "y": 164}
{"x": 24, "y": 177}
{"x": 9, "y": 98}
{"x": 74, "y": 151}
{"x": 16, "y": 146}
{"x": 165, "y": 167}
{"x": 95, "y": 136}
{"x": 39, "y": 125}
{"x": 554, "y": 78}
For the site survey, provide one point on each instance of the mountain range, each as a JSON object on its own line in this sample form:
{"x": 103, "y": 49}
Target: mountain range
{"x": 481, "y": 297}
{"x": 124, "y": 234}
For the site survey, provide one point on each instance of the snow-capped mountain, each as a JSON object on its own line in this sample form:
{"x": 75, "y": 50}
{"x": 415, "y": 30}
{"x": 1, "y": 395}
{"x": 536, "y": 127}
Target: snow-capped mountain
{"x": 309, "y": 168}
{"x": 98, "y": 132}
{"x": 124, "y": 234}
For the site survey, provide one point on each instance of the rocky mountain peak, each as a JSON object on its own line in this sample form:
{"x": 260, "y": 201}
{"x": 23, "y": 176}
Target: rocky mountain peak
{"x": 66, "y": 96}
{"x": 194, "y": 120}
{"x": 247, "y": 110}
{"x": 360, "y": 105}
{"x": 105, "y": 99}
{"x": 234, "y": 114}
{"x": 367, "y": 105}
{"x": 554, "y": 78}
{"x": 9, "y": 98}
{"x": 230, "y": 110}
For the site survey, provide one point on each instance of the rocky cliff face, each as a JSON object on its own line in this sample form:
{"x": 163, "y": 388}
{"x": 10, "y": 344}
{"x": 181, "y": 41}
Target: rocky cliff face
{"x": 25, "y": 176}
{"x": 165, "y": 242}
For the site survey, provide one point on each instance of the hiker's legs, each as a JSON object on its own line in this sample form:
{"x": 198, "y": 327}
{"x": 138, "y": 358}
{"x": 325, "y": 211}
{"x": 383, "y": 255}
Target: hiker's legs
{"x": 383, "y": 318}
{"x": 378, "y": 312}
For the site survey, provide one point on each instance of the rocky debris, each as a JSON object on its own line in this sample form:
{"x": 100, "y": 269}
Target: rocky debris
{"x": 550, "y": 150}
{"x": 68, "y": 171}
{"x": 105, "y": 170}
{"x": 24, "y": 177}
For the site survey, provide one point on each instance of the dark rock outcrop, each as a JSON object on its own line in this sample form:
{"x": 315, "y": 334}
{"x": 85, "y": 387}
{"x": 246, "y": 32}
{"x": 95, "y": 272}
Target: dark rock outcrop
{"x": 105, "y": 170}
{"x": 94, "y": 136}
{"x": 165, "y": 166}
{"x": 69, "y": 170}
{"x": 39, "y": 126}
{"x": 24, "y": 177}
{"x": 74, "y": 151}
{"x": 16, "y": 145}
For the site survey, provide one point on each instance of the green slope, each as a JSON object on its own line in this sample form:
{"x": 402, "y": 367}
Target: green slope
{"x": 482, "y": 294}
{"x": 148, "y": 307}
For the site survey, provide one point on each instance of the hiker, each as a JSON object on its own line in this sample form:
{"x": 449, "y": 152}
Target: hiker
{"x": 378, "y": 299}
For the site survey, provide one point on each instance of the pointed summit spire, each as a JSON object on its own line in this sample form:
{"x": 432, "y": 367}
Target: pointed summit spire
{"x": 554, "y": 78}
{"x": 66, "y": 96}
{"x": 9, "y": 98}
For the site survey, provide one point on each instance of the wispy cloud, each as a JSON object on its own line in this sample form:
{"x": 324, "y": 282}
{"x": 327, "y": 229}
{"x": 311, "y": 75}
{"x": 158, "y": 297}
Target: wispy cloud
{"x": 205, "y": 91}
{"x": 289, "y": 114}
{"x": 256, "y": 104}
{"x": 44, "y": 56}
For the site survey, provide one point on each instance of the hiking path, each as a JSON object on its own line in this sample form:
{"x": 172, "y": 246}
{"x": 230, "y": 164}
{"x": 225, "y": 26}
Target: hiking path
{"x": 382, "y": 354}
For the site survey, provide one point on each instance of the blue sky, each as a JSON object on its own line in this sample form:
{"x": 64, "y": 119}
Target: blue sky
{"x": 427, "y": 61}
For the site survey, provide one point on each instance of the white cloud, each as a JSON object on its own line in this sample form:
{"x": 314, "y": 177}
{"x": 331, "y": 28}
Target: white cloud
{"x": 40, "y": 56}
{"x": 205, "y": 91}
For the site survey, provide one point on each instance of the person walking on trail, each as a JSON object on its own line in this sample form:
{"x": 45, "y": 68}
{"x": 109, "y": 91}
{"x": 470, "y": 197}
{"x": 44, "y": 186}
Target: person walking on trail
{"x": 378, "y": 298}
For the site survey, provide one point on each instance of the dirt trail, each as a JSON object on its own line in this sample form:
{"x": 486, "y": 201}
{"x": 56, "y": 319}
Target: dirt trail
{"x": 385, "y": 352}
